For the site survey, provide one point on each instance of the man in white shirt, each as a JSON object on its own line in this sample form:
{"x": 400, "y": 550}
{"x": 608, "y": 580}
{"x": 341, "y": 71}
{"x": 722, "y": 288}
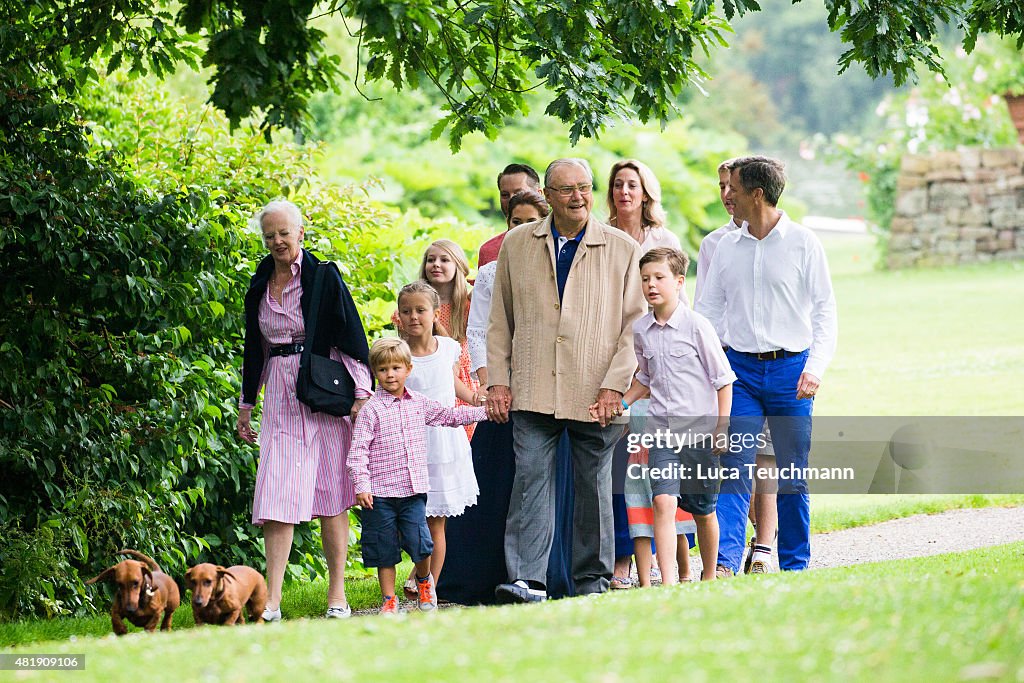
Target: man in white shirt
{"x": 763, "y": 504}
{"x": 709, "y": 244}
{"x": 769, "y": 295}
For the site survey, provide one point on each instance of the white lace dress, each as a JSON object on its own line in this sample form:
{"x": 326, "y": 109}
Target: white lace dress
{"x": 453, "y": 485}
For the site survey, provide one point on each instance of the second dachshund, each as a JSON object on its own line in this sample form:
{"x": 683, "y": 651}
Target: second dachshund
{"x": 219, "y": 594}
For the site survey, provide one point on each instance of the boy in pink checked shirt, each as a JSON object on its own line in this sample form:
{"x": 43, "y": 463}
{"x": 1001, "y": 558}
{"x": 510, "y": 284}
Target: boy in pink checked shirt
{"x": 388, "y": 466}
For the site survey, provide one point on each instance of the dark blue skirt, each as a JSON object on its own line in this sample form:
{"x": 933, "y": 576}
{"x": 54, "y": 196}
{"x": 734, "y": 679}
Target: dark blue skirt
{"x": 475, "y": 561}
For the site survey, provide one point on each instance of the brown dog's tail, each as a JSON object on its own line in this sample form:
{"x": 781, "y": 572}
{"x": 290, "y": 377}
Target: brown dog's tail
{"x": 141, "y": 558}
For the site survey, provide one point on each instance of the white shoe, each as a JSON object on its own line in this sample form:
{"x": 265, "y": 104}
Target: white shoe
{"x": 343, "y": 612}
{"x": 271, "y": 615}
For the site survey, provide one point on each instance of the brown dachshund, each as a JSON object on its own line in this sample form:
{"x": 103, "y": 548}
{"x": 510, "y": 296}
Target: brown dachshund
{"x": 143, "y": 593}
{"x": 218, "y": 594}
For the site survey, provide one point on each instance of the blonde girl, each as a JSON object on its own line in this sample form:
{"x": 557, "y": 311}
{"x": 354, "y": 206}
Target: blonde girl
{"x": 435, "y": 362}
{"x": 445, "y": 268}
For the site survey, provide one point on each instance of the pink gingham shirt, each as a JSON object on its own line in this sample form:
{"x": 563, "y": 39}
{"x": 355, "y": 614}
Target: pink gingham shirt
{"x": 388, "y": 457}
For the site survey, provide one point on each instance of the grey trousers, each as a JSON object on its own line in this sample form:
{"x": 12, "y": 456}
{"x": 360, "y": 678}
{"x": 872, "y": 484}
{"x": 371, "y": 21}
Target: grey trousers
{"x": 531, "y": 515}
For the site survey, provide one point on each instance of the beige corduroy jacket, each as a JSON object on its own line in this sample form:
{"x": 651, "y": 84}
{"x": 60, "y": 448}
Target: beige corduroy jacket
{"x": 555, "y": 357}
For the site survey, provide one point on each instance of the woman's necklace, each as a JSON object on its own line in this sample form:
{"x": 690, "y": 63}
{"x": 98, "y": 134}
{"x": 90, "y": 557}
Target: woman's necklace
{"x": 277, "y": 289}
{"x": 640, "y": 233}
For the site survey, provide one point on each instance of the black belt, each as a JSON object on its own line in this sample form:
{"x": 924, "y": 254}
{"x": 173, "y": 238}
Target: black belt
{"x": 769, "y": 355}
{"x": 286, "y": 349}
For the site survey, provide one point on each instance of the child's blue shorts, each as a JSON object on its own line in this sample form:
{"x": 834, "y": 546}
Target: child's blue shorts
{"x": 394, "y": 525}
{"x": 696, "y": 481}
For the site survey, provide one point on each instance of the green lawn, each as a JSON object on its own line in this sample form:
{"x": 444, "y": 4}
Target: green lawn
{"x": 832, "y": 512}
{"x": 948, "y": 617}
{"x": 308, "y": 600}
{"x": 924, "y": 342}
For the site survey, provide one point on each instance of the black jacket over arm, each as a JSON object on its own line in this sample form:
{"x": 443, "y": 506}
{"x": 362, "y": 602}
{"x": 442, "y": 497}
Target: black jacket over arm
{"x": 338, "y": 326}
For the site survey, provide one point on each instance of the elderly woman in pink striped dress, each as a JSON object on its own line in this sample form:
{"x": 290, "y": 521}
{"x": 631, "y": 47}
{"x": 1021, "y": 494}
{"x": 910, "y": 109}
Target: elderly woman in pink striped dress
{"x": 302, "y": 471}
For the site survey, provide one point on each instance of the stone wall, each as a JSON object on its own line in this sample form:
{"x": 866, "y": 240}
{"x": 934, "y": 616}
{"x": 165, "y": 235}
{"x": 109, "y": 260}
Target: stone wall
{"x": 958, "y": 207}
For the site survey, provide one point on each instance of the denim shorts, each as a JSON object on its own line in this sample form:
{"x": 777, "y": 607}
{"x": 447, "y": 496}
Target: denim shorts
{"x": 695, "y": 482}
{"x": 394, "y": 525}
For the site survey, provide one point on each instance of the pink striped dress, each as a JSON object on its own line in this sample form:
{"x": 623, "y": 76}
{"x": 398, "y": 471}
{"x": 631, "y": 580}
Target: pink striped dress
{"x": 302, "y": 472}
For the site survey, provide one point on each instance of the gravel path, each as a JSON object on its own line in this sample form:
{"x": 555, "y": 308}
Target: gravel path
{"x": 915, "y": 536}
{"x": 918, "y": 536}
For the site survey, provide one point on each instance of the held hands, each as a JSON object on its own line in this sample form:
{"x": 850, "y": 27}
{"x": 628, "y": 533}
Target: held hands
{"x": 607, "y": 407}
{"x": 480, "y": 397}
{"x": 720, "y": 443}
{"x": 364, "y": 500}
{"x": 808, "y": 385}
{"x": 499, "y": 401}
{"x": 244, "y": 426}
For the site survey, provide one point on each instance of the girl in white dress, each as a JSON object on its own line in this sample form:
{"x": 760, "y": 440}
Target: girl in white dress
{"x": 435, "y": 366}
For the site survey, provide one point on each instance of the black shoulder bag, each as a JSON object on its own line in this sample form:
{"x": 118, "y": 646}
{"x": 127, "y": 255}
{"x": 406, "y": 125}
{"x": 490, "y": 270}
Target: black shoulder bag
{"x": 323, "y": 384}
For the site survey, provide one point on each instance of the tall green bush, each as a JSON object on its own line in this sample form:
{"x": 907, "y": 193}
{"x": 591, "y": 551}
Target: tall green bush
{"x": 126, "y": 253}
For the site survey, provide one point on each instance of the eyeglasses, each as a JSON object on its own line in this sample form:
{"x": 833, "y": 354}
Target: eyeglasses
{"x": 567, "y": 190}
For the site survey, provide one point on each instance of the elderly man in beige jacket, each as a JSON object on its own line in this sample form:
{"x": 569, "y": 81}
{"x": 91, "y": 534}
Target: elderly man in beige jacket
{"x": 566, "y": 293}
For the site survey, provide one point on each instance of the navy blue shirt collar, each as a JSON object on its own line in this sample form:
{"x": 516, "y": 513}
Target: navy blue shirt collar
{"x": 564, "y": 257}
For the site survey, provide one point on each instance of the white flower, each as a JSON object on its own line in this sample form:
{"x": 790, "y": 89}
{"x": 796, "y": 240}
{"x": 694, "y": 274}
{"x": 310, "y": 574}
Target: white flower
{"x": 979, "y": 74}
{"x": 917, "y": 115}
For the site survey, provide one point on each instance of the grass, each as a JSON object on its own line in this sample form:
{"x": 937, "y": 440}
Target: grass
{"x": 923, "y": 342}
{"x": 835, "y": 512}
{"x": 308, "y": 600}
{"x": 957, "y": 616}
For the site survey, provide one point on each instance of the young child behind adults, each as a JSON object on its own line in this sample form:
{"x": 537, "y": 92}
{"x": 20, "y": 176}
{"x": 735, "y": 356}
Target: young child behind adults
{"x": 682, "y": 363}
{"x": 388, "y": 467}
{"x": 640, "y": 510}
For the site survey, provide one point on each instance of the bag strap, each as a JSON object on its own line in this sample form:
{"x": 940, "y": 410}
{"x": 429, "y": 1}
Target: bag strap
{"x": 314, "y": 311}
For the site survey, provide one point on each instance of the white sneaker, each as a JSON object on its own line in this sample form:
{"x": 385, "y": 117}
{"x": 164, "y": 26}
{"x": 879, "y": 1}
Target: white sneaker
{"x": 342, "y": 612}
{"x": 271, "y": 615}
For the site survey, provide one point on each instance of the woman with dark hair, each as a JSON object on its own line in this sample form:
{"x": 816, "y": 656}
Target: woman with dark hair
{"x": 302, "y": 472}
{"x": 475, "y": 563}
